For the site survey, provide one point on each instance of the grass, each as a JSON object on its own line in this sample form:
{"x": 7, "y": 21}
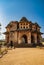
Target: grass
{"x": 23, "y": 56}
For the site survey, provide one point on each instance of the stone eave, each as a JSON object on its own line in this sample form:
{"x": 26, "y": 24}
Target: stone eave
{"x": 12, "y": 30}
{"x": 6, "y": 33}
{"x": 40, "y": 33}
{"x": 35, "y": 31}
{"x": 24, "y": 30}
{"x": 20, "y": 30}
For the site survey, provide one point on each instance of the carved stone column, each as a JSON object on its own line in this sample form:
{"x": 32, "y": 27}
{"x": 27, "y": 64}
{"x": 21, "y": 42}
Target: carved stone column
{"x": 40, "y": 38}
{"x": 29, "y": 38}
{"x": 35, "y": 36}
{"x": 19, "y": 38}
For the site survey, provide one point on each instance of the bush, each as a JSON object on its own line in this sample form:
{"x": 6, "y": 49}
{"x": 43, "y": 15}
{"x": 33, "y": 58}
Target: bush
{"x": 22, "y": 45}
{"x": 39, "y": 44}
{"x": 5, "y": 44}
{"x": 34, "y": 45}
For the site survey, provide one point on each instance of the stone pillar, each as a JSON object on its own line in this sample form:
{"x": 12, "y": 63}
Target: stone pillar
{"x": 35, "y": 36}
{"x": 40, "y": 38}
{"x": 29, "y": 38}
{"x": 19, "y": 38}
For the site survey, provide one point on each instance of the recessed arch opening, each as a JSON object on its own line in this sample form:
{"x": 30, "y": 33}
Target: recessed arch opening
{"x": 24, "y": 38}
{"x": 32, "y": 39}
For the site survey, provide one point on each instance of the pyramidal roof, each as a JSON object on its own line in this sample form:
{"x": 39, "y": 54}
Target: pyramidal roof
{"x": 37, "y": 24}
{"x": 24, "y": 19}
{"x": 11, "y": 23}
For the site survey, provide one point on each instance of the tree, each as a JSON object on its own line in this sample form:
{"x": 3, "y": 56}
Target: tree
{"x": 0, "y": 29}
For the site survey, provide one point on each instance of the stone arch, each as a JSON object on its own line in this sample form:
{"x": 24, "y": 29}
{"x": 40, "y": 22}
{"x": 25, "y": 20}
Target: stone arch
{"x": 24, "y": 38}
{"x": 11, "y": 43}
{"x": 38, "y": 39}
{"x": 32, "y": 39}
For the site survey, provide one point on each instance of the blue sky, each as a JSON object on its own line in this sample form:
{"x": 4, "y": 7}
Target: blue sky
{"x": 16, "y": 9}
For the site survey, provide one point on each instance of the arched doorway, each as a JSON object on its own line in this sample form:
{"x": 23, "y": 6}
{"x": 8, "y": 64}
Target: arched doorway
{"x": 11, "y": 44}
{"x": 38, "y": 40}
{"x": 24, "y": 39}
{"x": 32, "y": 39}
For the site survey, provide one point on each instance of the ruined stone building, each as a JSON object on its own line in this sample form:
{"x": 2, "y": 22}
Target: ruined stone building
{"x": 23, "y": 31}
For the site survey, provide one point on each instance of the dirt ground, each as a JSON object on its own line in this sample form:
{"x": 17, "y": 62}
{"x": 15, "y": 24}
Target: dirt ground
{"x": 23, "y": 56}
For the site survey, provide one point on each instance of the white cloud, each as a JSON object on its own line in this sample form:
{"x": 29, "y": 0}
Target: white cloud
{"x": 2, "y": 21}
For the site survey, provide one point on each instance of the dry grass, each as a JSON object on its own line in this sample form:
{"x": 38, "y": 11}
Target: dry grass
{"x": 23, "y": 56}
